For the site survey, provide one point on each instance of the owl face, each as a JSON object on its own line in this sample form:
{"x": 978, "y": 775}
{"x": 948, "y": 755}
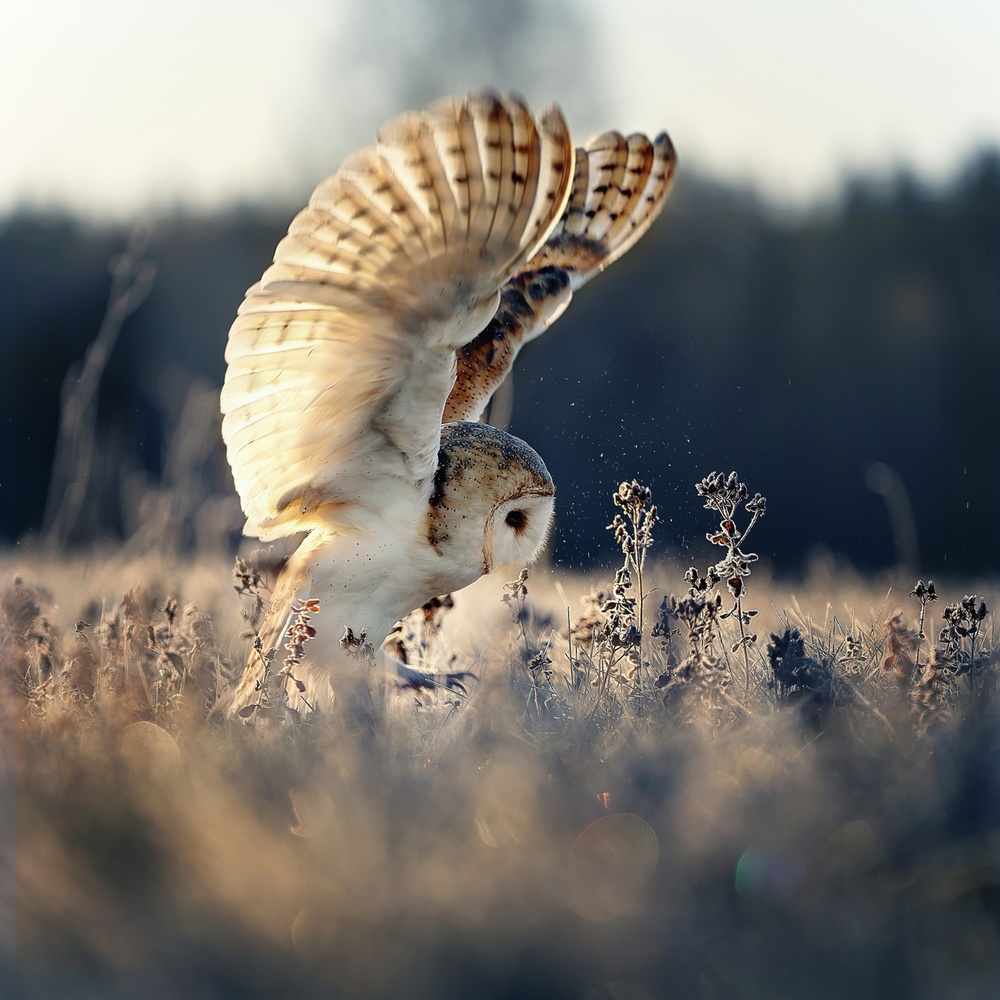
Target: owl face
{"x": 492, "y": 498}
{"x": 517, "y": 529}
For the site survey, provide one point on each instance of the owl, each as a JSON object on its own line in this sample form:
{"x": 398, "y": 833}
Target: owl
{"x": 360, "y": 365}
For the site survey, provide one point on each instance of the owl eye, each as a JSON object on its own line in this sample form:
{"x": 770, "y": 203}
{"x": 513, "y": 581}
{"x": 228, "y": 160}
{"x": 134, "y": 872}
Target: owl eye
{"x": 518, "y": 520}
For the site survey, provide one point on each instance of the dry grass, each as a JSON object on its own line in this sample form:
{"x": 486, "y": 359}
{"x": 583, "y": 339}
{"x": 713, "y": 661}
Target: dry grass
{"x": 619, "y": 802}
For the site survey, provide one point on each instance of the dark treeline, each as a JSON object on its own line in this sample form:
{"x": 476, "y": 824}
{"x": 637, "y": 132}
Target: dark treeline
{"x": 844, "y": 361}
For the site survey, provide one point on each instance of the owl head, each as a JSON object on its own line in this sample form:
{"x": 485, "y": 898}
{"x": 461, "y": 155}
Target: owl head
{"x": 492, "y": 496}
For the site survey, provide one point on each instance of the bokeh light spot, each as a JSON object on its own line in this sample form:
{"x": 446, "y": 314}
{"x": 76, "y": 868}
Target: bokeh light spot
{"x": 765, "y": 875}
{"x": 610, "y": 864}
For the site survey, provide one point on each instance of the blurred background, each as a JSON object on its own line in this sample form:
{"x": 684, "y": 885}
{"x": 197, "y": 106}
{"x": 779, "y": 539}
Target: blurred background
{"x": 819, "y": 309}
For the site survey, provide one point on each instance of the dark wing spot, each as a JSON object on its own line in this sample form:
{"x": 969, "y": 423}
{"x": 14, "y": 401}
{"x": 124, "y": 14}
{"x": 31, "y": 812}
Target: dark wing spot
{"x": 547, "y": 282}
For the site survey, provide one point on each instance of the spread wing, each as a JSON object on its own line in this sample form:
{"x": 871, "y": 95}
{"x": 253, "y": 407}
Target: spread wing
{"x": 619, "y": 188}
{"x": 343, "y": 354}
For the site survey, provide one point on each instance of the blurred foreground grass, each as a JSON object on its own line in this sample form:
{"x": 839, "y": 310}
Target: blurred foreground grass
{"x": 600, "y": 813}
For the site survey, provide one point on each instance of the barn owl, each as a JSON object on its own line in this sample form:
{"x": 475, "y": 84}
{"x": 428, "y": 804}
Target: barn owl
{"x": 361, "y": 363}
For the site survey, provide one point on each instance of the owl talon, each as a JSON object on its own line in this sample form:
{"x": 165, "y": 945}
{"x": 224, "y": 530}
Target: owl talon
{"x": 418, "y": 680}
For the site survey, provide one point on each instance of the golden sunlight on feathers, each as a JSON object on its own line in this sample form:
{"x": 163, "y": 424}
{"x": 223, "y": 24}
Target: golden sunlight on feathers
{"x": 393, "y": 310}
{"x": 342, "y": 355}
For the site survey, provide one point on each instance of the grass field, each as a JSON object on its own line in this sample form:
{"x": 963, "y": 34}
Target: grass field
{"x": 651, "y": 783}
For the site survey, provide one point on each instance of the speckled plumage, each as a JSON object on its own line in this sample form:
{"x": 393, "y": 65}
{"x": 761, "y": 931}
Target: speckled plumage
{"x": 393, "y": 310}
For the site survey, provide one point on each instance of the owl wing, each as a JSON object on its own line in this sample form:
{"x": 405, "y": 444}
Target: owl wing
{"x": 619, "y": 187}
{"x": 342, "y": 356}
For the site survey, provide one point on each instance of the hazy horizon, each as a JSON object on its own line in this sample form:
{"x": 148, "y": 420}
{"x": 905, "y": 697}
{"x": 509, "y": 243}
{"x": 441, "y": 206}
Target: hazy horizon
{"x": 223, "y": 103}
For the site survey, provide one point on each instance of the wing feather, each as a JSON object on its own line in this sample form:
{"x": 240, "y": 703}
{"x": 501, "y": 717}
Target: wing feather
{"x": 619, "y": 187}
{"x": 342, "y": 357}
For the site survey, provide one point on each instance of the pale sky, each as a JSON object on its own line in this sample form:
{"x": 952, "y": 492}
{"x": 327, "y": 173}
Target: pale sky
{"x": 111, "y": 107}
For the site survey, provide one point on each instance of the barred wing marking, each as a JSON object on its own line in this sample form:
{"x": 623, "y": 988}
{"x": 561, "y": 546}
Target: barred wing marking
{"x": 341, "y": 358}
{"x": 619, "y": 188}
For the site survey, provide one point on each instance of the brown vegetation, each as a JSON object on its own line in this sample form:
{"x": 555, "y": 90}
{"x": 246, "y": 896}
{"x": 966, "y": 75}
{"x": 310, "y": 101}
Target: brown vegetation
{"x": 609, "y": 801}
